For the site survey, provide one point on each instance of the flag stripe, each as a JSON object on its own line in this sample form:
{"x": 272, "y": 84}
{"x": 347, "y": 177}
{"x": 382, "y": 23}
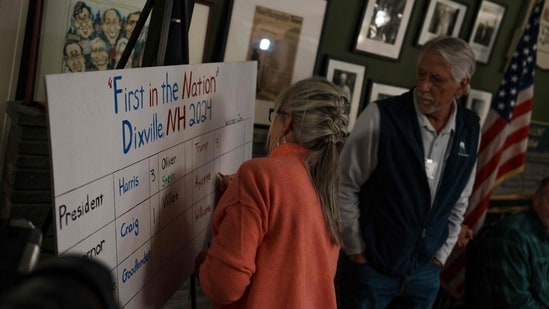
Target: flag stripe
{"x": 494, "y": 130}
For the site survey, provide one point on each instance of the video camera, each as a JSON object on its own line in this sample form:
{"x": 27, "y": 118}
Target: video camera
{"x": 68, "y": 281}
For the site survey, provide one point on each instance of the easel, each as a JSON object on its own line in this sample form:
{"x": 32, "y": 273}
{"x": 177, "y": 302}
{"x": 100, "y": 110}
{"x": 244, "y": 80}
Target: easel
{"x": 167, "y": 38}
{"x": 167, "y": 44}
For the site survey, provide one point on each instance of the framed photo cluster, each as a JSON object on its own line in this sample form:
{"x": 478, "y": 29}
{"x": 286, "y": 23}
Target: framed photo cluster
{"x": 383, "y": 26}
{"x": 351, "y": 78}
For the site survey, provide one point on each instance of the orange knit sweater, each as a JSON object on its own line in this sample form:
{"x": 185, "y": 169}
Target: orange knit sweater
{"x": 270, "y": 245}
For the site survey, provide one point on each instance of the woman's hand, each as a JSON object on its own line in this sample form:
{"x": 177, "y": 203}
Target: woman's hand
{"x": 221, "y": 184}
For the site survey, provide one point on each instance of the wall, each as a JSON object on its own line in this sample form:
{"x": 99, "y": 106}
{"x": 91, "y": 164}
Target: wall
{"x": 339, "y": 35}
{"x": 341, "y": 26}
{"x": 13, "y": 15}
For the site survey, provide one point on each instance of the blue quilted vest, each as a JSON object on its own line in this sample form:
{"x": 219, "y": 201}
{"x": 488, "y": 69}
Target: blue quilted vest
{"x": 401, "y": 229}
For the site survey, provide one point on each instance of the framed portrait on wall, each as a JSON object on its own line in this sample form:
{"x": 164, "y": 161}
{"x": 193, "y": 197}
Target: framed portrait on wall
{"x": 485, "y": 29}
{"x": 380, "y": 91}
{"x": 87, "y": 35}
{"x": 542, "y": 58}
{"x": 102, "y": 30}
{"x": 282, "y": 36}
{"x": 383, "y": 26}
{"x": 351, "y": 78}
{"x": 444, "y": 17}
{"x": 479, "y": 101}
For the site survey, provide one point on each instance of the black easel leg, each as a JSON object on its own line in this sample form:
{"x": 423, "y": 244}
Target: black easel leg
{"x": 193, "y": 292}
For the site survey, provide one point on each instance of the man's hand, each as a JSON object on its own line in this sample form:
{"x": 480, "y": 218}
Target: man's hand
{"x": 465, "y": 235}
{"x": 358, "y": 258}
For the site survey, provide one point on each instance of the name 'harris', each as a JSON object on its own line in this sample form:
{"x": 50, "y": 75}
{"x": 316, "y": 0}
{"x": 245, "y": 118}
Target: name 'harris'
{"x": 126, "y": 186}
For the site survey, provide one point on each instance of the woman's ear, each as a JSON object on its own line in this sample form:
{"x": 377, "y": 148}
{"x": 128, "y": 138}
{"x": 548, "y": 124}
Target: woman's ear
{"x": 287, "y": 124}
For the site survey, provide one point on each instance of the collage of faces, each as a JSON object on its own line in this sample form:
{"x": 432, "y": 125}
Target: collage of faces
{"x": 97, "y": 37}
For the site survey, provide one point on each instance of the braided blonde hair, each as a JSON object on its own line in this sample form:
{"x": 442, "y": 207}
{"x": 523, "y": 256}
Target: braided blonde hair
{"x": 319, "y": 123}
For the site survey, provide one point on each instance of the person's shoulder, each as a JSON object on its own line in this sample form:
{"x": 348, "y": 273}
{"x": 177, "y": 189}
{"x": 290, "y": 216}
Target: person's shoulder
{"x": 406, "y": 96}
{"x": 261, "y": 165}
{"x": 514, "y": 225}
{"x": 468, "y": 115}
{"x": 399, "y": 103}
{"x": 254, "y": 164}
{"x": 267, "y": 171}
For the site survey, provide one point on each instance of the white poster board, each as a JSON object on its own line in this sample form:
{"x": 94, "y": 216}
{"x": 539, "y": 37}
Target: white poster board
{"x": 135, "y": 154}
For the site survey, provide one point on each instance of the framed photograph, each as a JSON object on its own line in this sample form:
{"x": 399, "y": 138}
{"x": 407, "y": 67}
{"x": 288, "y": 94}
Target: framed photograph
{"x": 479, "y": 101}
{"x": 201, "y": 23}
{"x": 485, "y": 29}
{"x": 444, "y": 17}
{"x": 381, "y": 91}
{"x": 259, "y": 141}
{"x": 383, "y": 27}
{"x": 351, "y": 78}
{"x": 542, "y": 58}
{"x": 282, "y": 36}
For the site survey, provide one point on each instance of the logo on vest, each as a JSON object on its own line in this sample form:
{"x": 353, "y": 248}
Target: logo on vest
{"x": 462, "y": 152}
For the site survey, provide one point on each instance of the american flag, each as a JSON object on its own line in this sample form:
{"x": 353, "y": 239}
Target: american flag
{"x": 502, "y": 151}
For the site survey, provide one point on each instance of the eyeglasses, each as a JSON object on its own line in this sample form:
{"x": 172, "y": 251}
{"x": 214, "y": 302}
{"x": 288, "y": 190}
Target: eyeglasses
{"x": 75, "y": 57}
{"x": 271, "y": 111}
{"x": 82, "y": 19}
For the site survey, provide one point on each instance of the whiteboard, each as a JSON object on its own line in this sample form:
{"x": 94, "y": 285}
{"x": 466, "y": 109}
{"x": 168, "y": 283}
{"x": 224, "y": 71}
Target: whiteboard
{"x": 134, "y": 157}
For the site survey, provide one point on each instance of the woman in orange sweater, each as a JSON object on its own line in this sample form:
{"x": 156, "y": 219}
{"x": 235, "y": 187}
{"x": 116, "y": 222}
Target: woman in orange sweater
{"x": 275, "y": 231}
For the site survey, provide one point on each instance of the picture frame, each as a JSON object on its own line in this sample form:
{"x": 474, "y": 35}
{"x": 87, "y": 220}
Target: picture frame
{"x": 486, "y": 29}
{"x": 444, "y": 17}
{"x": 479, "y": 101}
{"x": 294, "y": 28}
{"x": 199, "y": 30}
{"x": 59, "y": 28}
{"x": 259, "y": 140}
{"x": 351, "y": 78}
{"x": 382, "y": 28}
{"x": 379, "y": 91}
{"x": 542, "y": 59}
